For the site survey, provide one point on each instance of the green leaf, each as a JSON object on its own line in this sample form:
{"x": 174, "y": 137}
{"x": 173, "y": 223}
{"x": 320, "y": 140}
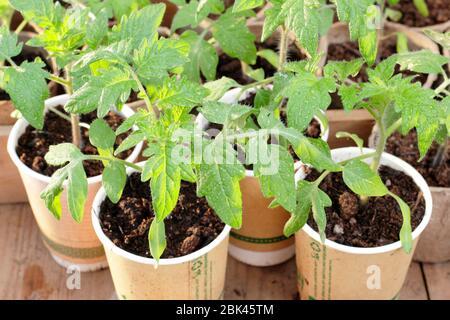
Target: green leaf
{"x": 234, "y": 37}
{"x": 349, "y": 96}
{"x": 9, "y": 46}
{"x": 114, "y": 179}
{"x": 316, "y": 153}
{"x": 303, "y": 18}
{"x": 358, "y": 141}
{"x": 221, "y": 113}
{"x": 368, "y": 46}
{"x": 343, "y": 69}
{"x": 132, "y": 140}
{"x": 157, "y": 239}
{"x": 103, "y": 92}
{"x": 179, "y": 92}
{"x": 307, "y": 95}
{"x": 52, "y": 193}
{"x": 32, "y": 9}
{"x": 422, "y": 7}
{"x": 276, "y": 176}
{"x": 274, "y": 17}
{"x": 423, "y": 61}
{"x": 202, "y": 55}
{"x": 77, "y": 189}
{"x": 406, "y": 230}
{"x": 402, "y": 43}
{"x": 28, "y": 90}
{"x": 362, "y": 180}
{"x": 140, "y": 25}
{"x": 98, "y": 30}
{"x": 62, "y": 153}
{"x": 156, "y": 60}
{"x": 165, "y": 182}
{"x": 303, "y": 208}
{"x": 101, "y": 135}
{"x": 242, "y": 5}
{"x": 219, "y": 183}
{"x": 219, "y": 87}
{"x": 186, "y": 15}
{"x": 269, "y": 55}
{"x": 354, "y": 13}
{"x": 442, "y": 38}
{"x": 320, "y": 200}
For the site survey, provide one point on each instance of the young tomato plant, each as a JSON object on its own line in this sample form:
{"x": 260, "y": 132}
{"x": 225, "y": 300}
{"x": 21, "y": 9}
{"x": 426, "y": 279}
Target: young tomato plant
{"x": 228, "y": 31}
{"x": 396, "y": 103}
{"x": 66, "y": 35}
{"x": 136, "y": 59}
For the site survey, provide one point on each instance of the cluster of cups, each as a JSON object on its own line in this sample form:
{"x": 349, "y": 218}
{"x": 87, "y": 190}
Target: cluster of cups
{"x": 324, "y": 270}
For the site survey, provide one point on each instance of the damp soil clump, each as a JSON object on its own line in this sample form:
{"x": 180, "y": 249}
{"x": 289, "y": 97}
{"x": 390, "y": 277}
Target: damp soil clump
{"x": 33, "y": 144}
{"x": 191, "y": 226}
{"x": 377, "y": 223}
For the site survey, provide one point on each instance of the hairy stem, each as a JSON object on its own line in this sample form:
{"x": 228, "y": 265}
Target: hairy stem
{"x": 67, "y": 117}
{"x": 102, "y": 158}
{"x": 441, "y": 155}
{"x": 283, "y": 48}
{"x": 74, "y": 118}
{"x": 142, "y": 90}
{"x": 21, "y": 26}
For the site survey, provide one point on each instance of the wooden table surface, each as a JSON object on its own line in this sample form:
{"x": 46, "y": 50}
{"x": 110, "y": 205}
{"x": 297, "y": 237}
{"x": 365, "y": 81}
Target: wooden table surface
{"x": 28, "y": 272}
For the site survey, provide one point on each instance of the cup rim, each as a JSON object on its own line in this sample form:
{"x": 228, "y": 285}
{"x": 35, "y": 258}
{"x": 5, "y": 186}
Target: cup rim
{"x": 110, "y": 246}
{"x": 19, "y": 127}
{"x": 397, "y": 164}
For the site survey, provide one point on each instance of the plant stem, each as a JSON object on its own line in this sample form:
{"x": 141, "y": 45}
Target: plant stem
{"x": 67, "y": 117}
{"x": 442, "y": 87}
{"x": 441, "y": 155}
{"x": 102, "y": 158}
{"x": 21, "y": 26}
{"x": 380, "y": 147}
{"x": 59, "y": 80}
{"x": 283, "y": 48}
{"x": 74, "y": 118}
{"x": 142, "y": 90}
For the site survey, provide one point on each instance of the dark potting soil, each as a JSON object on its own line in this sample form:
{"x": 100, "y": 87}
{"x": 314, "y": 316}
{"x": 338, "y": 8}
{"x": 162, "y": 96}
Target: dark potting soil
{"x": 439, "y": 13}
{"x": 376, "y": 224}
{"x": 191, "y": 226}
{"x": 231, "y": 67}
{"x": 405, "y": 147}
{"x": 34, "y": 144}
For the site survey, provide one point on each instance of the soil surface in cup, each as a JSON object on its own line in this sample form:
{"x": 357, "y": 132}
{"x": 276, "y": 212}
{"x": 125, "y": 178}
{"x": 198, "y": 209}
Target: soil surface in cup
{"x": 232, "y": 68}
{"x": 28, "y": 54}
{"x": 376, "y": 224}
{"x": 348, "y": 51}
{"x": 405, "y": 147}
{"x": 191, "y": 226}
{"x": 439, "y": 12}
{"x": 33, "y": 144}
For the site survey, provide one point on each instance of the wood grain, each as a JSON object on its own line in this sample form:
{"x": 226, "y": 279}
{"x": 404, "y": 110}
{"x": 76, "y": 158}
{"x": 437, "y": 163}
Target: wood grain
{"x": 438, "y": 280}
{"x": 414, "y": 287}
{"x": 27, "y": 271}
{"x": 11, "y": 187}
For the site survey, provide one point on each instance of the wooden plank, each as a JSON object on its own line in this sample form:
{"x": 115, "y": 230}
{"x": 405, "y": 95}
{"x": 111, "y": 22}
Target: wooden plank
{"x": 254, "y": 283}
{"x": 11, "y": 187}
{"x": 414, "y": 287}
{"x": 438, "y": 280}
{"x": 27, "y": 270}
